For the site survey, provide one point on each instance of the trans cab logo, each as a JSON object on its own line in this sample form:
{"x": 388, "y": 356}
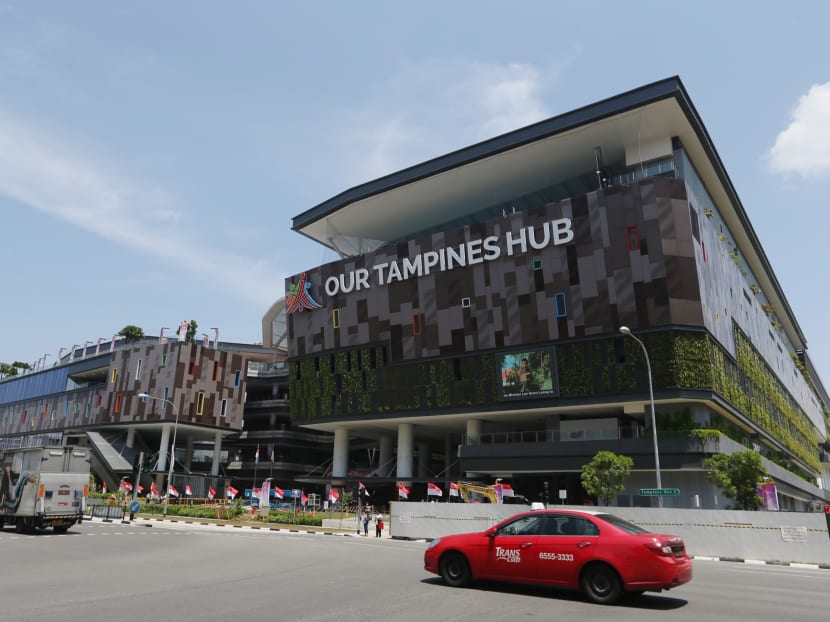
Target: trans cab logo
{"x": 511, "y": 556}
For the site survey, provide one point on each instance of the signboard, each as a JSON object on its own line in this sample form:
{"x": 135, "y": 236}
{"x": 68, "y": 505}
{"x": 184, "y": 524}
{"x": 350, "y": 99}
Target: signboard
{"x": 659, "y": 492}
{"x": 794, "y": 534}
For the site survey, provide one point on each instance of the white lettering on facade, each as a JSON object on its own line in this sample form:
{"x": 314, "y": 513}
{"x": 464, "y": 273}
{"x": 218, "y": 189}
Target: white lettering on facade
{"x": 473, "y": 252}
{"x": 521, "y": 241}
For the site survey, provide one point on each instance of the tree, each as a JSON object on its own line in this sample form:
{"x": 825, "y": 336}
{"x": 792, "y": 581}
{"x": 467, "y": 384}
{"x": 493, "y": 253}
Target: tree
{"x": 737, "y": 475}
{"x": 131, "y": 333}
{"x": 604, "y": 476}
{"x": 7, "y": 370}
{"x": 190, "y": 335}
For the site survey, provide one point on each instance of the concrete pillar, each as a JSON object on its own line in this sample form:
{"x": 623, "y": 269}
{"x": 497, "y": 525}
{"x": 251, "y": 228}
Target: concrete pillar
{"x": 188, "y": 455}
{"x": 164, "y": 447}
{"x": 449, "y": 454}
{"x": 424, "y": 460}
{"x": 474, "y": 427}
{"x": 340, "y": 459}
{"x": 131, "y": 437}
{"x": 217, "y": 454}
{"x": 385, "y": 458}
{"x": 405, "y": 441}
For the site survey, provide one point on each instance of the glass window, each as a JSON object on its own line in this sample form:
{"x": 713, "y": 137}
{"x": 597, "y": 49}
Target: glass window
{"x": 522, "y": 526}
{"x": 621, "y": 523}
{"x": 200, "y": 402}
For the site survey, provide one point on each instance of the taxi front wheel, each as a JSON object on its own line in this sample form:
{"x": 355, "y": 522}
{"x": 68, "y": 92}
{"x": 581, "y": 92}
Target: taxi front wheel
{"x": 601, "y": 584}
{"x": 455, "y": 571}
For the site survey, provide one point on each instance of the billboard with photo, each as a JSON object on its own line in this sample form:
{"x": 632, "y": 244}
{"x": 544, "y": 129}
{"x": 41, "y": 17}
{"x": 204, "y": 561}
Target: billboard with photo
{"x": 528, "y": 373}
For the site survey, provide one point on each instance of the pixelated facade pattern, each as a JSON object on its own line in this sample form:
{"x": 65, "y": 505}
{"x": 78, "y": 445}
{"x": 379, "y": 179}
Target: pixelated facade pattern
{"x": 185, "y": 370}
{"x": 631, "y": 262}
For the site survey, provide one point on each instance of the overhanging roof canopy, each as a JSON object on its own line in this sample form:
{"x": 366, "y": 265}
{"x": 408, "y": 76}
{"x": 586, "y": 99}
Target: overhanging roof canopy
{"x": 465, "y": 181}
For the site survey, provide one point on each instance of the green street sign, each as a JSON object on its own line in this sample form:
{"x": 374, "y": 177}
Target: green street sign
{"x": 659, "y": 492}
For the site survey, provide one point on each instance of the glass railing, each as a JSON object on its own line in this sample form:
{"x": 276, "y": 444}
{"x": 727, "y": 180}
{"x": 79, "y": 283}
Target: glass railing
{"x": 553, "y": 436}
{"x": 267, "y": 369}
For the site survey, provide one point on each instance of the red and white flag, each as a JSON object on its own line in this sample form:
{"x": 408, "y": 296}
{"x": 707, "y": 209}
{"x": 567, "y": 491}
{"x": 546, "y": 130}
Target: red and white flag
{"x": 361, "y": 488}
{"x": 256, "y": 455}
{"x": 303, "y": 497}
{"x": 231, "y": 491}
{"x": 403, "y": 491}
{"x": 211, "y": 492}
{"x": 255, "y": 492}
{"x": 104, "y": 487}
{"x": 453, "y": 489}
{"x": 140, "y": 489}
{"x": 433, "y": 490}
{"x": 333, "y": 495}
{"x": 125, "y": 486}
{"x": 153, "y": 490}
{"x": 171, "y": 490}
{"x": 188, "y": 490}
{"x": 278, "y": 492}
{"x": 507, "y": 490}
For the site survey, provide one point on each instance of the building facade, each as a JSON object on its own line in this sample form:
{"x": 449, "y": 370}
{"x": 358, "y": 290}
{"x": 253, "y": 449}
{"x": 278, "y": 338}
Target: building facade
{"x": 471, "y": 329}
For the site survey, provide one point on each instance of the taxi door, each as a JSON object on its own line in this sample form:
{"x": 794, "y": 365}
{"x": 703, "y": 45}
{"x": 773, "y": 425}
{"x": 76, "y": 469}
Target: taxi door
{"x": 567, "y": 542}
{"x": 512, "y": 550}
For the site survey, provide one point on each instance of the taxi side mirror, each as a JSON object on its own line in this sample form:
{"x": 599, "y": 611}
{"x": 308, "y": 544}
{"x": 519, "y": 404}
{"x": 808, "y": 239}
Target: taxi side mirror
{"x": 490, "y": 533}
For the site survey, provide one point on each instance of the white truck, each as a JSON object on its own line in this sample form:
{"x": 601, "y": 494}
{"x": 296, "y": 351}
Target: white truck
{"x": 42, "y": 487}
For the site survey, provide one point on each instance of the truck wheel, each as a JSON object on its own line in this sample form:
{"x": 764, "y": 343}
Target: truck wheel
{"x": 2, "y": 523}
{"x": 61, "y": 528}
{"x": 20, "y": 525}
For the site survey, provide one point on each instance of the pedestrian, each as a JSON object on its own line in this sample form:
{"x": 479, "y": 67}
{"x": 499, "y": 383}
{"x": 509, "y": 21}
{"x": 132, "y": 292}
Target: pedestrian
{"x": 378, "y": 525}
{"x": 366, "y": 524}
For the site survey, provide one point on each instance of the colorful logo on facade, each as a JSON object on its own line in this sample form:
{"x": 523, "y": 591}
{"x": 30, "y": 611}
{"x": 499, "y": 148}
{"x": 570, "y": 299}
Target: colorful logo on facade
{"x": 299, "y": 298}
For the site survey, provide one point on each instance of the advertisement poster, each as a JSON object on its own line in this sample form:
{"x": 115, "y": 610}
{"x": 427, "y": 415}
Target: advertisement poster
{"x": 526, "y": 374}
{"x": 769, "y": 495}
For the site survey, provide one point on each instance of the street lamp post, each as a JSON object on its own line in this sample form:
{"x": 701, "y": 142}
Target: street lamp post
{"x": 627, "y": 332}
{"x": 172, "y": 446}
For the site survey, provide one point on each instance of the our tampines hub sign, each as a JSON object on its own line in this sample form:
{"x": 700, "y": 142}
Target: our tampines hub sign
{"x": 553, "y": 232}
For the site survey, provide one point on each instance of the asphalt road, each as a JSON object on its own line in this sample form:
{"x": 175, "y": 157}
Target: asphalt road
{"x": 189, "y": 573}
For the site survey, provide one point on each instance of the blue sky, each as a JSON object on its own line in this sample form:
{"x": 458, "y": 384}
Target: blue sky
{"x": 152, "y": 155}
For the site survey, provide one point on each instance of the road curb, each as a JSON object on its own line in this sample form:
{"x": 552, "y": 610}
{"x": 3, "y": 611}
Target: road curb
{"x": 760, "y": 562}
{"x": 246, "y": 527}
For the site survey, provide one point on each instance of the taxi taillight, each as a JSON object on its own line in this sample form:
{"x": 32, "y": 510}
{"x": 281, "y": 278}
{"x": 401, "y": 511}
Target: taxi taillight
{"x": 659, "y": 547}
{"x": 41, "y": 490}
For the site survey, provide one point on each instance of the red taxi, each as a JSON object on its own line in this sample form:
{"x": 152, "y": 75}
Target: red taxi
{"x": 603, "y": 555}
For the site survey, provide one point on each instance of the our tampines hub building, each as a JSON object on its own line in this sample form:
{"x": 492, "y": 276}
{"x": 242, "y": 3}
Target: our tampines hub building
{"x": 471, "y": 328}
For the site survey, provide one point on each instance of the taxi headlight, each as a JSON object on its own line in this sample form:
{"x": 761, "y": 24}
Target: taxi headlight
{"x": 434, "y": 543}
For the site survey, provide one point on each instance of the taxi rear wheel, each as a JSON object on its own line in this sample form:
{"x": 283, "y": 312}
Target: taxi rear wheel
{"x": 455, "y": 570}
{"x": 601, "y": 584}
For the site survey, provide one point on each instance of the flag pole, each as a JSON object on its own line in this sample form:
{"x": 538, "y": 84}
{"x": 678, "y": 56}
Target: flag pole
{"x": 256, "y": 463}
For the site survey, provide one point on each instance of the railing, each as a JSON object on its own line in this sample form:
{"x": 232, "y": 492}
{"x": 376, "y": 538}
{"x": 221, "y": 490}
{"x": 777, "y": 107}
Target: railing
{"x": 256, "y": 370}
{"x": 553, "y": 436}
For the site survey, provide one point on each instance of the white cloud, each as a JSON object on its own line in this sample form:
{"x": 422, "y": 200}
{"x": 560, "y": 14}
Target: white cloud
{"x": 804, "y": 146}
{"x": 61, "y": 180}
{"x": 432, "y": 107}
